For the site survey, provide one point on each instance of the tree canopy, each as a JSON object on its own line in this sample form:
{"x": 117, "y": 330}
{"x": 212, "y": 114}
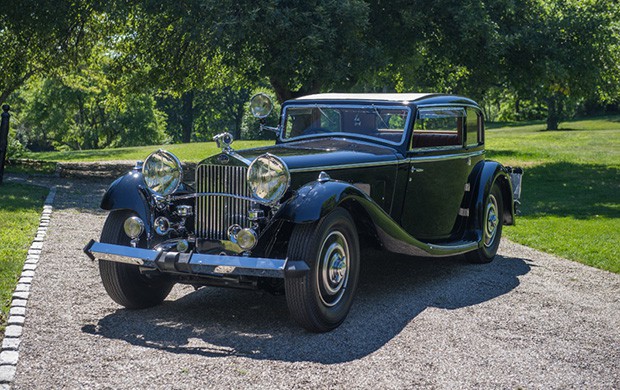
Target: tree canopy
{"x": 89, "y": 74}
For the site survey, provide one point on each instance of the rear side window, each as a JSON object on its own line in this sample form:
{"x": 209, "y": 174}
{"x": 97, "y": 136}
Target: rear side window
{"x": 474, "y": 128}
{"x": 436, "y": 127}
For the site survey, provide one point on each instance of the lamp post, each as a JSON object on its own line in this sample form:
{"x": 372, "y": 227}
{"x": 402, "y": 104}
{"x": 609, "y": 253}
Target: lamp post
{"x": 4, "y": 135}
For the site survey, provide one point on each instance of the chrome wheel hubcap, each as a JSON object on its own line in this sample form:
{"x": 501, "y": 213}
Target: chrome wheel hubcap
{"x": 491, "y": 221}
{"x": 333, "y": 269}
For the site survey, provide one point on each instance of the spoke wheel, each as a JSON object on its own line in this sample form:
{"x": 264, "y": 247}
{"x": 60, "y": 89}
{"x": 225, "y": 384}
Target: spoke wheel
{"x": 320, "y": 300}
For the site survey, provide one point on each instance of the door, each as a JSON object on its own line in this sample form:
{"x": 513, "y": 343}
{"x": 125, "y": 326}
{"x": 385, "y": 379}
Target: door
{"x": 439, "y": 167}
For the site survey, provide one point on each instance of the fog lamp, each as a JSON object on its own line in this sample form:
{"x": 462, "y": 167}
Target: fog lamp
{"x": 182, "y": 246}
{"x": 133, "y": 227}
{"x": 247, "y": 238}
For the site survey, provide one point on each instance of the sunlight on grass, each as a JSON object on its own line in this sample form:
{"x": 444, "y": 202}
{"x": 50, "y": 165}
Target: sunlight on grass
{"x": 571, "y": 187}
{"x": 20, "y": 209}
{"x": 192, "y": 152}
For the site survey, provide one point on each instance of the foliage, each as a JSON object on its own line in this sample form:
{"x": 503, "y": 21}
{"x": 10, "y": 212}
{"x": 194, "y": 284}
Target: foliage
{"x": 39, "y": 36}
{"x": 20, "y": 208}
{"x": 564, "y": 51}
{"x": 125, "y": 73}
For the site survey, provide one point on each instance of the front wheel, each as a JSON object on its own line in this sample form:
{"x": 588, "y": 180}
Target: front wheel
{"x": 320, "y": 300}
{"x": 123, "y": 282}
{"x": 492, "y": 222}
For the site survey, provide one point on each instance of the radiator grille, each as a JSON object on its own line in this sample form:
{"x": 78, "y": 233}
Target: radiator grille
{"x": 214, "y": 214}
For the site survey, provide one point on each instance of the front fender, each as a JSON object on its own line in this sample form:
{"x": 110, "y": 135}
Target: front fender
{"x": 315, "y": 200}
{"x": 129, "y": 192}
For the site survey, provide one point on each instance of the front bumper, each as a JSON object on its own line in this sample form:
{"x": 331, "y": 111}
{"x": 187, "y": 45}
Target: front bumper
{"x": 195, "y": 263}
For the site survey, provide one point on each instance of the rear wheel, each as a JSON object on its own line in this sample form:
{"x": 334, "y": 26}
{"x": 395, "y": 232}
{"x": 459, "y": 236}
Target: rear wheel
{"x": 492, "y": 223}
{"x": 123, "y": 282}
{"x": 320, "y": 300}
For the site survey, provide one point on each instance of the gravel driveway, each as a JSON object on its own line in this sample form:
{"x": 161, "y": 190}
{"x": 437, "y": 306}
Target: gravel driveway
{"x": 527, "y": 320}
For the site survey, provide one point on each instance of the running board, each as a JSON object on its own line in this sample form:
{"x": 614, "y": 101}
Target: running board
{"x": 455, "y": 248}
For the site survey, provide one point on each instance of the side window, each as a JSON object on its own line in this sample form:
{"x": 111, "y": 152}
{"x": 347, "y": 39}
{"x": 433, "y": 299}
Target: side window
{"x": 436, "y": 127}
{"x": 474, "y": 128}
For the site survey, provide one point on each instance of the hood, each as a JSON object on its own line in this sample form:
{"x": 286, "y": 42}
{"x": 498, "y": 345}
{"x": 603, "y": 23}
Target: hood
{"x": 324, "y": 152}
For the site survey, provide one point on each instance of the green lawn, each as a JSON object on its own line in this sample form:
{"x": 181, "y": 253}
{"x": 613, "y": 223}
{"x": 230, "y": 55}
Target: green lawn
{"x": 571, "y": 187}
{"x": 192, "y": 152}
{"x": 20, "y": 210}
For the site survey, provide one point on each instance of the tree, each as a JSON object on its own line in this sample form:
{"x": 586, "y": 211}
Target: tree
{"x": 39, "y": 36}
{"x": 560, "y": 51}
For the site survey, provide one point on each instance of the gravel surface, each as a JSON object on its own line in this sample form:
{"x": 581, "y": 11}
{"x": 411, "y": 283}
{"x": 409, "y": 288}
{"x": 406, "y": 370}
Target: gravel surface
{"x": 527, "y": 320}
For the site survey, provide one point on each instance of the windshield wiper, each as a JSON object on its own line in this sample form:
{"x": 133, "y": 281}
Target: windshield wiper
{"x": 380, "y": 117}
{"x": 331, "y": 122}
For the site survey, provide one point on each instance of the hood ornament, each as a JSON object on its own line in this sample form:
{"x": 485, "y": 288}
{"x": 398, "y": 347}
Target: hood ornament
{"x": 223, "y": 141}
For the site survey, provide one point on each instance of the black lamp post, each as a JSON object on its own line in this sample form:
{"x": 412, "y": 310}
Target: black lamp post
{"x": 4, "y": 137}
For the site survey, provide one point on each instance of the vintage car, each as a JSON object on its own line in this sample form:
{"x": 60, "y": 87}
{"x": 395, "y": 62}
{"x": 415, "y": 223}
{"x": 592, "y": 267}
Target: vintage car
{"x": 402, "y": 172}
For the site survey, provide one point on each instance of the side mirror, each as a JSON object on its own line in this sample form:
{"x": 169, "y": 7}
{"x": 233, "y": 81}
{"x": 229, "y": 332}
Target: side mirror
{"x": 261, "y": 105}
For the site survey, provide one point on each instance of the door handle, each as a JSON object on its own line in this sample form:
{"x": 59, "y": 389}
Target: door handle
{"x": 414, "y": 169}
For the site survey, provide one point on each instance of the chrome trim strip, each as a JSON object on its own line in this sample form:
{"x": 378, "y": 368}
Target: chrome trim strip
{"x": 199, "y": 263}
{"x": 201, "y": 194}
{"x": 393, "y": 162}
{"x": 445, "y": 156}
{"x": 348, "y": 166}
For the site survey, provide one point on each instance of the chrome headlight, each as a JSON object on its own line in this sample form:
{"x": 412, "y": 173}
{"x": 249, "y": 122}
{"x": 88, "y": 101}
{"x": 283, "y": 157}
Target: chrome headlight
{"x": 162, "y": 172}
{"x": 268, "y": 177}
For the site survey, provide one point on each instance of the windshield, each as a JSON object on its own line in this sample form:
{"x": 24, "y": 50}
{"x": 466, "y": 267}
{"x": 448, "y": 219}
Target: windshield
{"x": 385, "y": 123}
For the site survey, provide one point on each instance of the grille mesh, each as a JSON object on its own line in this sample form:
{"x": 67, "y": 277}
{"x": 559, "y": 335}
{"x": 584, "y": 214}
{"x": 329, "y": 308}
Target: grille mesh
{"x": 214, "y": 214}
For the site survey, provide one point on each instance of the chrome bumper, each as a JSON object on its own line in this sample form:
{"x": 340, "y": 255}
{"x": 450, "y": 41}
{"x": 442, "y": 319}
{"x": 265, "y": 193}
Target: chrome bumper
{"x": 195, "y": 263}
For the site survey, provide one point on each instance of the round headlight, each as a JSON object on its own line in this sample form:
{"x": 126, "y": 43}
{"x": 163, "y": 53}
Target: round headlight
{"x": 268, "y": 177}
{"x": 162, "y": 172}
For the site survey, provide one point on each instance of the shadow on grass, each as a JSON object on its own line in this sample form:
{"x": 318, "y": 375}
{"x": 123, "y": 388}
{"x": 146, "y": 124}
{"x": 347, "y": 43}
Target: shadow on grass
{"x": 393, "y": 292}
{"x": 580, "y": 191}
{"x": 17, "y": 197}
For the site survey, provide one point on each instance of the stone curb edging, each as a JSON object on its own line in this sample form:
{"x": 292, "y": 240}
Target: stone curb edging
{"x": 9, "y": 353}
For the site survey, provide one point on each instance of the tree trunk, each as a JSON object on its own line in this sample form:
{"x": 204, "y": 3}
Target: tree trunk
{"x": 283, "y": 93}
{"x": 5, "y": 94}
{"x": 553, "y": 112}
{"x": 238, "y": 120}
{"x": 187, "y": 118}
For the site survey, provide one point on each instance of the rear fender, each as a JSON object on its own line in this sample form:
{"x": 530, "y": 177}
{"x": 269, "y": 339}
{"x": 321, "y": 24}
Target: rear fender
{"x": 486, "y": 174}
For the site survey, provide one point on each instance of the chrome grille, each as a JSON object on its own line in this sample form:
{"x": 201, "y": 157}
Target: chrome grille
{"x": 214, "y": 214}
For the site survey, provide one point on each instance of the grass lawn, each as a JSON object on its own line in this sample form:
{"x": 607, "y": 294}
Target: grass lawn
{"x": 571, "y": 187}
{"x": 20, "y": 210}
{"x": 192, "y": 152}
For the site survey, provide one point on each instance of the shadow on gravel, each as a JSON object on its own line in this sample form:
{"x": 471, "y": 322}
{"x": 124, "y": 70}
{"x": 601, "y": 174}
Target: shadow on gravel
{"x": 219, "y": 322}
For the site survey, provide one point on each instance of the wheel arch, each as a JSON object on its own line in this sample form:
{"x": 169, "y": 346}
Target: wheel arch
{"x": 129, "y": 192}
{"x": 488, "y": 173}
{"x": 315, "y": 200}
